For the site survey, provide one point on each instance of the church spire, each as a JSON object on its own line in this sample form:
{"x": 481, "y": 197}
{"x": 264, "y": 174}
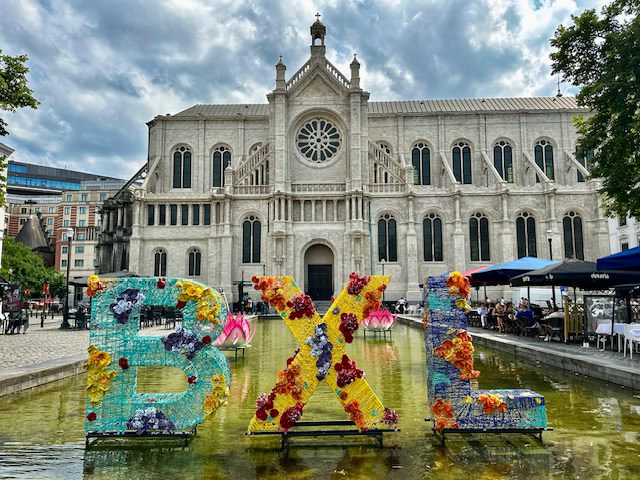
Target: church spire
{"x": 318, "y": 31}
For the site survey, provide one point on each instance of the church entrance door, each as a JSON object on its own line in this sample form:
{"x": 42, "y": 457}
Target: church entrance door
{"x": 318, "y": 261}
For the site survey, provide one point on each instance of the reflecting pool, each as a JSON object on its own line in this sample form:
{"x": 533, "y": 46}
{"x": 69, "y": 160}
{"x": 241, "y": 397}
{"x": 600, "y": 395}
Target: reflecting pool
{"x": 596, "y": 426}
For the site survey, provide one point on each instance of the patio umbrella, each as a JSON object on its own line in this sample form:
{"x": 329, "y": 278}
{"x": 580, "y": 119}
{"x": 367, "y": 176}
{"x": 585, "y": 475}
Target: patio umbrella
{"x": 625, "y": 260}
{"x": 469, "y": 274}
{"x": 501, "y": 273}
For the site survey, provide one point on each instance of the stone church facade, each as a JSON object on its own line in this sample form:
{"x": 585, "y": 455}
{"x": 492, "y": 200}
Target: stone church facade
{"x": 320, "y": 182}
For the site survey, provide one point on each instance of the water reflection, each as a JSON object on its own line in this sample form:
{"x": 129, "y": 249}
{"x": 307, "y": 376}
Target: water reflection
{"x": 596, "y": 426}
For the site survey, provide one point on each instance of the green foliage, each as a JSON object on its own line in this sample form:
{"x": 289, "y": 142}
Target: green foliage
{"x": 28, "y": 270}
{"x": 601, "y": 55}
{"x": 14, "y": 93}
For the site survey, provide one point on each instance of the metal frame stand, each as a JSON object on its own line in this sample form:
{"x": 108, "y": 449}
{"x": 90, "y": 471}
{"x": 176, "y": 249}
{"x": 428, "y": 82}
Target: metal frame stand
{"x": 383, "y": 333}
{"x": 536, "y": 432}
{"x": 183, "y": 436}
{"x": 286, "y": 436}
{"x": 233, "y": 349}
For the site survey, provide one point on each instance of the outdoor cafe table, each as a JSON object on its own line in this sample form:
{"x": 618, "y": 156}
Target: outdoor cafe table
{"x": 605, "y": 329}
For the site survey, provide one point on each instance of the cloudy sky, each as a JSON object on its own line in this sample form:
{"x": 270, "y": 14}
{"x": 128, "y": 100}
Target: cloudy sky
{"x": 102, "y": 69}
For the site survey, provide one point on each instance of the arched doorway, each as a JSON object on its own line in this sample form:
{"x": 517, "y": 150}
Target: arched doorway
{"x": 318, "y": 263}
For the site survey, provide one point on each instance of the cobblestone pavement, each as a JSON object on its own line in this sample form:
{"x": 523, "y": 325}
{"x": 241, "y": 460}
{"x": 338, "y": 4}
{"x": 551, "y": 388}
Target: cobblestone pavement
{"x": 40, "y": 345}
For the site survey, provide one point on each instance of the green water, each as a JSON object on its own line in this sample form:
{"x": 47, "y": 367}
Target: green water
{"x": 596, "y": 426}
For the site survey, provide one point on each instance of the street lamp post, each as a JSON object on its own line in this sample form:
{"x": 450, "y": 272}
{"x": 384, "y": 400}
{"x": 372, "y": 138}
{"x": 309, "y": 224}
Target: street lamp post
{"x": 65, "y": 314}
{"x": 550, "y": 240}
{"x": 382, "y": 262}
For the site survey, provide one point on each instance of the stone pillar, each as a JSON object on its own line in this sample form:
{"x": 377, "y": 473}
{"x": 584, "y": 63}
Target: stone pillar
{"x": 411, "y": 260}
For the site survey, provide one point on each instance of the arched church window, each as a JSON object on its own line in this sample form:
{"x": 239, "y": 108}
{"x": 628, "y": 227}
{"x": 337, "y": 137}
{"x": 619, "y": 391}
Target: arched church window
{"x": 182, "y": 168}
{"x": 421, "y": 161}
{"x": 573, "y": 236}
{"x": 432, "y": 238}
{"x": 462, "y": 162}
{"x": 584, "y": 158}
{"x": 254, "y": 148}
{"x": 160, "y": 263}
{"x": 543, "y": 153}
{"x": 195, "y": 261}
{"x": 251, "y": 233}
{"x": 479, "y": 238}
{"x": 526, "y": 235}
{"x": 503, "y": 160}
{"x": 318, "y": 140}
{"x": 221, "y": 160}
{"x": 387, "y": 239}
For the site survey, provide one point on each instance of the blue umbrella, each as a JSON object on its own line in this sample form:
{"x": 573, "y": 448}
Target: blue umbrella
{"x": 501, "y": 273}
{"x": 625, "y": 260}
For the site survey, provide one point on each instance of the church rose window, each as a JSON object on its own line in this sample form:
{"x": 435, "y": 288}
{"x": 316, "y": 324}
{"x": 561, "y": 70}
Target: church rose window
{"x": 318, "y": 140}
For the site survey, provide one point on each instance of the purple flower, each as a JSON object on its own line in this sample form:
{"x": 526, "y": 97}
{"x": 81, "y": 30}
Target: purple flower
{"x": 149, "y": 419}
{"x": 321, "y": 349}
{"x": 128, "y": 300}
{"x": 183, "y": 341}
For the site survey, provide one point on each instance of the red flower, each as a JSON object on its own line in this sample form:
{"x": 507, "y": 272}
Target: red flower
{"x": 274, "y": 412}
{"x": 161, "y": 283}
{"x": 356, "y": 284}
{"x": 348, "y": 325}
{"x": 192, "y": 379}
{"x": 206, "y": 339}
{"x": 347, "y": 371}
{"x": 124, "y": 363}
{"x": 291, "y": 416}
{"x": 92, "y": 416}
{"x": 180, "y": 304}
{"x": 302, "y": 306}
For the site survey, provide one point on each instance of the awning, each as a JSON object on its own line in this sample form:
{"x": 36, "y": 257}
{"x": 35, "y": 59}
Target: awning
{"x": 625, "y": 260}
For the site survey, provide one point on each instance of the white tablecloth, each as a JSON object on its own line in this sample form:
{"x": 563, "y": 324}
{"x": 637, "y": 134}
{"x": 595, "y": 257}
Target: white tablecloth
{"x": 605, "y": 329}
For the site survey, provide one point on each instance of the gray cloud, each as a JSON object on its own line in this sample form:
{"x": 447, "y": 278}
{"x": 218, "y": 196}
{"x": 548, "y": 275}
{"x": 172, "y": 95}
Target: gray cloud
{"x": 102, "y": 69}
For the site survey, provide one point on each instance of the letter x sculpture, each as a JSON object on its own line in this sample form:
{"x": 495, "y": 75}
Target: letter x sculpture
{"x": 321, "y": 355}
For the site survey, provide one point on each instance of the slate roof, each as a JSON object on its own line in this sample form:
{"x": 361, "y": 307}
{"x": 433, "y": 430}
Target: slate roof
{"x": 463, "y": 105}
{"x": 31, "y": 234}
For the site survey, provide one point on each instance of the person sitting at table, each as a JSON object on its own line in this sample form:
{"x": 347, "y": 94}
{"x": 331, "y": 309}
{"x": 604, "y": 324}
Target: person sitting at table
{"x": 546, "y": 324}
{"x": 525, "y": 315}
{"x": 483, "y": 311}
{"x": 499, "y": 313}
{"x": 510, "y": 317}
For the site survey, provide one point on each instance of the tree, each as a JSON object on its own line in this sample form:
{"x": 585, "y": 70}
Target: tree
{"x": 28, "y": 270}
{"x": 14, "y": 93}
{"x": 601, "y": 55}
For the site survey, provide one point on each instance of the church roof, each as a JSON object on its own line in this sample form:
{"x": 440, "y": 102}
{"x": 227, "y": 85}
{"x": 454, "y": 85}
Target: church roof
{"x": 31, "y": 234}
{"x": 462, "y": 105}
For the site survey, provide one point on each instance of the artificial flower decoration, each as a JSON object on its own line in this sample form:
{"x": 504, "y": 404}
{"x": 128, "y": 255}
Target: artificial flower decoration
{"x": 459, "y": 285}
{"x": 443, "y": 414}
{"x": 321, "y": 350}
{"x": 373, "y": 300}
{"x": 192, "y": 380}
{"x": 218, "y": 396}
{"x": 291, "y": 416}
{"x": 183, "y": 341}
{"x": 264, "y": 406}
{"x": 379, "y": 321}
{"x": 272, "y": 290}
{"x": 459, "y": 352}
{"x": 92, "y": 416}
{"x": 237, "y": 332}
{"x": 390, "y": 417}
{"x": 355, "y": 414}
{"x": 302, "y": 306}
{"x": 126, "y": 302}
{"x": 98, "y": 379}
{"x": 123, "y": 363}
{"x": 348, "y": 372}
{"x": 149, "y": 419}
{"x": 348, "y": 325}
{"x": 207, "y": 306}
{"x": 290, "y": 382}
{"x": 492, "y": 403}
{"x": 161, "y": 283}
{"x": 356, "y": 283}
{"x": 94, "y": 285}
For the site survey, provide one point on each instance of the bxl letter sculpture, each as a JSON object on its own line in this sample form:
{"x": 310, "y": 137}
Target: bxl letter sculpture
{"x": 455, "y": 406}
{"x": 321, "y": 355}
{"x": 114, "y": 407}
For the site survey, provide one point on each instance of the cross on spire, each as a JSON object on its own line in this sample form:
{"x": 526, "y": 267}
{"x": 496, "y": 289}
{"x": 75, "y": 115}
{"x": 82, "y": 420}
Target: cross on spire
{"x": 318, "y": 17}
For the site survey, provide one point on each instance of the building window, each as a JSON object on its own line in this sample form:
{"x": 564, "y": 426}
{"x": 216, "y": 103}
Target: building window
{"x": 84, "y": 197}
{"x": 221, "y": 160}
{"x": 624, "y": 246}
{"x": 82, "y": 210}
{"x": 462, "y": 162}
{"x": 195, "y": 214}
{"x": 151, "y": 214}
{"x": 52, "y": 209}
{"x": 50, "y": 221}
{"x": 432, "y": 238}
{"x": 421, "y": 161}
{"x": 69, "y": 197}
{"x": 159, "y": 263}
{"x": 195, "y": 259}
{"x": 65, "y": 250}
{"x": 78, "y": 263}
{"x": 573, "y": 236}
{"x": 251, "y": 233}
{"x": 207, "y": 214}
{"x": 23, "y": 221}
{"x": 65, "y": 223}
{"x": 622, "y": 221}
{"x": 36, "y": 210}
{"x": 64, "y": 237}
{"x": 82, "y": 223}
{"x": 163, "y": 215}
{"x": 82, "y": 236}
{"x": 173, "y": 212}
{"x": 79, "y": 249}
{"x": 63, "y": 262}
{"x": 503, "y": 160}
{"x": 103, "y": 197}
{"x": 543, "y": 153}
{"x": 67, "y": 210}
{"x": 23, "y": 210}
{"x": 182, "y": 168}
{"x": 584, "y": 158}
{"x": 479, "y": 238}
{"x": 387, "y": 239}
{"x": 184, "y": 214}
{"x": 526, "y": 235}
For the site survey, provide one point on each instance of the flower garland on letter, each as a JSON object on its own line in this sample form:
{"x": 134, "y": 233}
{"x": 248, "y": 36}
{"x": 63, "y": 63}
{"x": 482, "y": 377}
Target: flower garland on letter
{"x": 207, "y": 307}
{"x": 458, "y": 351}
{"x": 217, "y": 397}
{"x": 98, "y": 379}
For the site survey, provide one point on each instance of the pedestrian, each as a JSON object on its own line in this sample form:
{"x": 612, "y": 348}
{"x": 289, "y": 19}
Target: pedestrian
{"x": 249, "y": 306}
{"x": 401, "y": 306}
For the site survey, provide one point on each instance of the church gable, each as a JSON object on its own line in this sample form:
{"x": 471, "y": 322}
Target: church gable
{"x": 317, "y": 84}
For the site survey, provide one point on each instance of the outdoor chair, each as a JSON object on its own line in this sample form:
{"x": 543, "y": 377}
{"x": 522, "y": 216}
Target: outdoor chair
{"x": 603, "y": 337}
{"x": 530, "y": 331}
{"x": 631, "y": 337}
{"x": 557, "y": 326}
